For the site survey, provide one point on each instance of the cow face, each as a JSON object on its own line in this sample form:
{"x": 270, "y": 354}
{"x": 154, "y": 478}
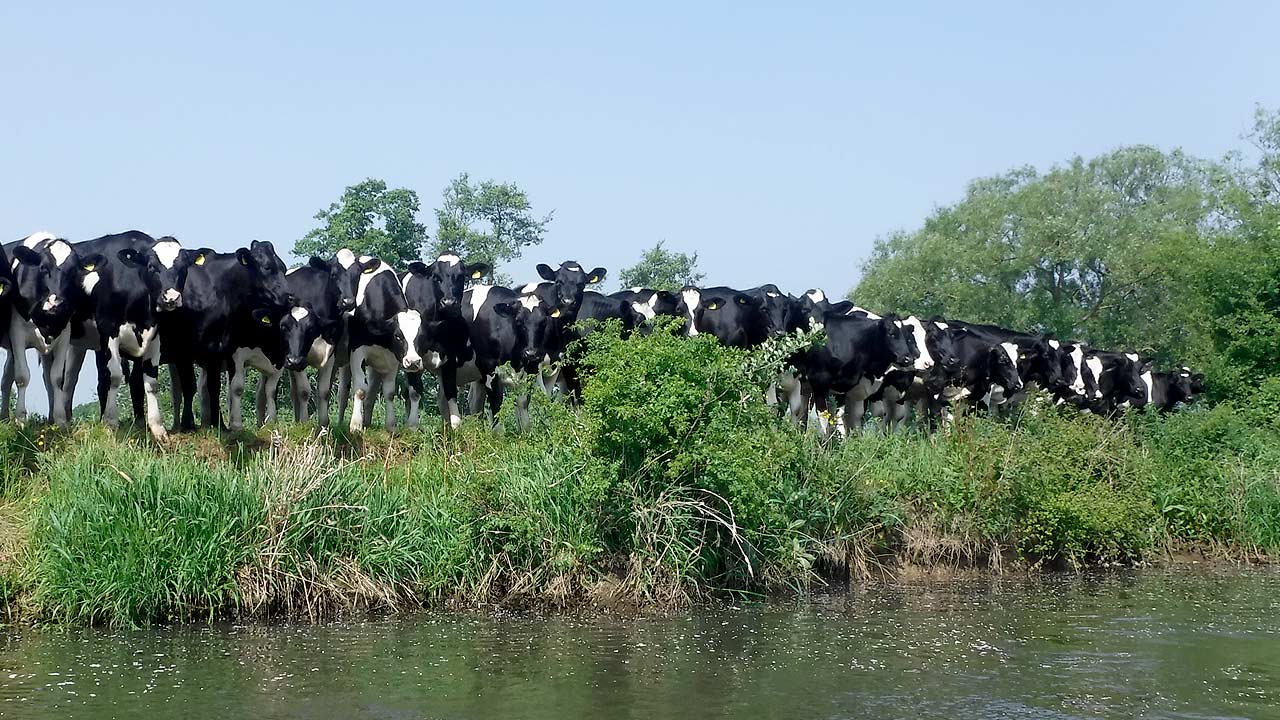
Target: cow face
{"x": 898, "y": 342}
{"x": 267, "y": 270}
{"x": 918, "y": 336}
{"x": 347, "y": 277}
{"x": 776, "y": 309}
{"x": 49, "y": 281}
{"x": 942, "y": 346}
{"x": 299, "y": 330}
{"x": 341, "y": 282}
{"x": 735, "y": 319}
{"x": 406, "y": 328}
{"x": 1039, "y": 360}
{"x": 530, "y": 322}
{"x": 166, "y": 264}
{"x": 447, "y": 279}
{"x": 570, "y": 282}
{"x": 1003, "y": 366}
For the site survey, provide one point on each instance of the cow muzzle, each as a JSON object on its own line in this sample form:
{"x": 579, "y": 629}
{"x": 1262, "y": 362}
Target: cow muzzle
{"x": 295, "y": 363}
{"x": 412, "y": 364}
{"x": 170, "y": 299}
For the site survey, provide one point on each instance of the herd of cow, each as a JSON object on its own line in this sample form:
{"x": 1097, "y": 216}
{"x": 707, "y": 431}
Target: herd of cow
{"x": 139, "y": 302}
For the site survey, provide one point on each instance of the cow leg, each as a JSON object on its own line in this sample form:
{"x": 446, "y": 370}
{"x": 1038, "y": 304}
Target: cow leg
{"x": 211, "y": 378}
{"x": 6, "y": 385}
{"x": 235, "y": 393}
{"x": 389, "y": 399}
{"x": 413, "y": 398}
{"x": 184, "y": 377}
{"x": 137, "y": 397}
{"x": 494, "y": 390}
{"x": 449, "y": 397}
{"x": 268, "y": 384}
{"x": 344, "y": 390}
{"x": 300, "y": 394}
{"x": 522, "y": 411}
{"x": 855, "y": 410}
{"x": 55, "y": 367}
{"x": 374, "y": 383}
{"x": 572, "y": 387}
{"x": 476, "y": 393}
{"x": 71, "y": 375}
{"x": 359, "y": 383}
{"x": 150, "y": 373}
{"x": 324, "y": 388}
{"x": 110, "y": 373}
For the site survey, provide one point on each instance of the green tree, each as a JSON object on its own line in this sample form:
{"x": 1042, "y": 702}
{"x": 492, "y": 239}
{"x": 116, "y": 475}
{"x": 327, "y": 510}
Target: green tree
{"x": 487, "y": 221}
{"x": 1138, "y": 248}
{"x": 662, "y": 269}
{"x": 370, "y": 219}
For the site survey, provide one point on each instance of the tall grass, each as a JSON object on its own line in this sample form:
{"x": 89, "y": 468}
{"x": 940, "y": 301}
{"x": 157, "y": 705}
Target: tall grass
{"x": 658, "y": 491}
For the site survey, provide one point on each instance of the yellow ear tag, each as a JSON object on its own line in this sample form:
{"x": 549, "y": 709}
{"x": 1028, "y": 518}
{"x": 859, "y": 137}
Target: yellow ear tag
{"x": 555, "y": 313}
{"x": 594, "y": 279}
{"x": 200, "y": 259}
{"x": 742, "y": 301}
{"x": 89, "y": 267}
{"x": 475, "y": 275}
{"x": 370, "y": 269}
{"x": 712, "y": 306}
{"x": 266, "y": 320}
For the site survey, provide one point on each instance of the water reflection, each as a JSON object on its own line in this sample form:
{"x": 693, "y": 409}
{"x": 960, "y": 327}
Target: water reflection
{"x": 1152, "y": 644}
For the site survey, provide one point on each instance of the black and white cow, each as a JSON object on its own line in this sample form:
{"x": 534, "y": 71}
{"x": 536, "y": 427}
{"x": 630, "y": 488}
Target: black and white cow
{"x": 205, "y": 320}
{"x": 986, "y": 363}
{"x": 857, "y": 355}
{"x": 733, "y": 317}
{"x": 937, "y": 365}
{"x": 6, "y": 299}
{"x": 1118, "y": 377}
{"x": 436, "y": 292}
{"x": 383, "y": 336}
{"x": 650, "y": 303}
{"x": 47, "y": 292}
{"x": 505, "y": 327}
{"x": 119, "y": 322}
{"x": 1164, "y": 390}
{"x": 1039, "y": 362}
{"x": 561, "y": 290}
{"x": 311, "y": 332}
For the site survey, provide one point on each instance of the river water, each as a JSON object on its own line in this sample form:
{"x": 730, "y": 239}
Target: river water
{"x": 1181, "y": 643}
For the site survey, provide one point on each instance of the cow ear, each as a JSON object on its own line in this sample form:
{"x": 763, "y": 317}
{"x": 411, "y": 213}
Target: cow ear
{"x": 545, "y": 272}
{"x": 242, "y": 254}
{"x": 26, "y": 255}
{"x": 368, "y": 266}
{"x": 841, "y": 307}
{"x": 479, "y": 270}
{"x": 771, "y": 290}
{"x": 319, "y": 264}
{"x": 507, "y": 309}
{"x": 92, "y": 262}
{"x": 745, "y": 300}
{"x": 5, "y": 287}
{"x": 263, "y": 317}
{"x": 417, "y": 267}
{"x": 130, "y": 257}
{"x": 667, "y": 296}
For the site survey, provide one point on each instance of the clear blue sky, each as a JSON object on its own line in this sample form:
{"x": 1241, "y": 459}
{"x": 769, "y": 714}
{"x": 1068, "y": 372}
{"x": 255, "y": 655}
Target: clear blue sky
{"x": 777, "y": 143}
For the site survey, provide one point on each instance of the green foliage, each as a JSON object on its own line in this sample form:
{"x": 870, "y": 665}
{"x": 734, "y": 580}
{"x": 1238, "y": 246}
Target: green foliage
{"x": 1139, "y": 249}
{"x": 486, "y": 222}
{"x": 662, "y": 269}
{"x": 372, "y": 220}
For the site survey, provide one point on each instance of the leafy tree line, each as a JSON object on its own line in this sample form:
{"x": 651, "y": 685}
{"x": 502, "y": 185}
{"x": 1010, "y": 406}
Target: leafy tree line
{"x": 1139, "y": 248}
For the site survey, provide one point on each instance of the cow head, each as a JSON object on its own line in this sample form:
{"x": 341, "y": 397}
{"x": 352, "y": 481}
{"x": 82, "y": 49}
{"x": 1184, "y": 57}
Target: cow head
{"x": 776, "y": 310}
{"x": 446, "y": 280}
{"x": 570, "y": 282}
{"x": 406, "y": 327}
{"x": 942, "y": 345}
{"x": 340, "y": 282}
{"x": 164, "y": 269}
{"x": 919, "y": 335}
{"x": 1002, "y": 367}
{"x": 1040, "y": 360}
{"x": 734, "y": 318}
{"x": 267, "y": 272}
{"x": 299, "y": 330}
{"x": 49, "y": 281}
{"x": 530, "y": 320}
{"x": 898, "y": 343}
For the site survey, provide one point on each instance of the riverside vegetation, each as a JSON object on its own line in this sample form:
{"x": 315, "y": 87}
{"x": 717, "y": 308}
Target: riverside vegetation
{"x": 673, "y": 481}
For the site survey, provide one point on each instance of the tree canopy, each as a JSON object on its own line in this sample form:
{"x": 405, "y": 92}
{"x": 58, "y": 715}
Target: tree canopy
{"x": 662, "y": 269}
{"x": 1137, "y": 249}
{"x": 371, "y": 220}
{"x": 487, "y": 221}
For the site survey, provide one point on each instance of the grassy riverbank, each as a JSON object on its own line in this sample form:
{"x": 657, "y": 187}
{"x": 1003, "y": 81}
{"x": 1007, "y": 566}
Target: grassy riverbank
{"x": 665, "y": 487}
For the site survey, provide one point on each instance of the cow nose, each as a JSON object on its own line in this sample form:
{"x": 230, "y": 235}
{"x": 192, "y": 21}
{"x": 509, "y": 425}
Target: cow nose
{"x": 413, "y": 364}
{"x": 448, "y": 302}
{"x": 346, "y": 304}
{"x": 296, "y": 362}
